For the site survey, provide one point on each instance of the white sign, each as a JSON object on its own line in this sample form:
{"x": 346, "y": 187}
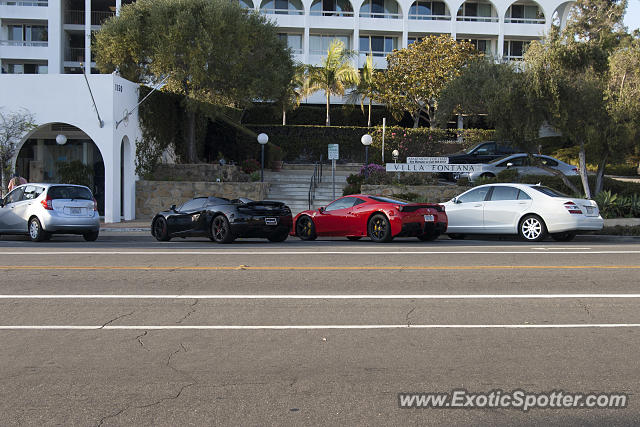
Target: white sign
{"x": 432, "y": 167}
{"x": 334, "y": 152}
{"x": 413, "y": 160}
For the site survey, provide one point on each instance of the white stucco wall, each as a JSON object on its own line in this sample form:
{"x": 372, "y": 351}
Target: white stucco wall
{"x": 65, "y": 98}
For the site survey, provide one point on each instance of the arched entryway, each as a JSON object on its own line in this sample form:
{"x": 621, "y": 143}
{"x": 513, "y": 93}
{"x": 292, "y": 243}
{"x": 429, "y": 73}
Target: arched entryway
{"x": 127, "y": 179}
{"x": 57, "y": 152}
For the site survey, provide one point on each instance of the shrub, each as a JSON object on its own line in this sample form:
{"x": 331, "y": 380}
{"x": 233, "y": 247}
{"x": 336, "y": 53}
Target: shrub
{"x": 275, "y": 153}
{"x": 254, "y": 176}
{"x": 508, "y": 175}
{"x": 351, "y": 189}
{"x": 75, "y": 172}
{"x": 250, "y": 165}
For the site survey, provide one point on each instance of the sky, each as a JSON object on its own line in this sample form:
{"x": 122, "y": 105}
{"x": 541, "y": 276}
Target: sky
{"x": 632, "y": 18}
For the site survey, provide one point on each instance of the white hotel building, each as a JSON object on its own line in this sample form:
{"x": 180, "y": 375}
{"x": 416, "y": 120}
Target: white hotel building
{"x": 53, "y": 37}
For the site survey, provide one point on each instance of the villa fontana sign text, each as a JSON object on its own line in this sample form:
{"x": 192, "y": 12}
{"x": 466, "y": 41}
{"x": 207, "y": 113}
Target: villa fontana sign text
{"x": 432, "y": 167}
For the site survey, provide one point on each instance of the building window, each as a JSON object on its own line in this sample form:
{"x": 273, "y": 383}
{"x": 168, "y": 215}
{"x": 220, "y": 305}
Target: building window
{"x": 429, "y": 10}
{"x": 513, "y": 50}
{"x": 282, "y": 7}
{"x": 483, "y": 46}
{"x": 24, "y": 68}
{"x": 378, "y": 45}
{"x": 331, "y": 8}
{"x": 293, "y": 41}
{"x": 476, "y": 11}
{"x": 245, "y": 4}
{"x": 387, "y": 9}
{"x": 524, "y": 14}
{"x": 319, "y": 43}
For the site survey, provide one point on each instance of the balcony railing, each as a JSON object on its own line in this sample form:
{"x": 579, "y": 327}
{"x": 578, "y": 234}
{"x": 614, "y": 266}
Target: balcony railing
{"x": 76, "y": 17}
{"x": 23, "y": 43}
{"x": 383, "y": 15}
{"x": 330, "y": 13}
{"x": 430, "y": 17}
{"x": 373, "y": 53}
{"x": 282, "y": 12}
{"x": 478, "y": 18}
{"x": 44, "y": 3}
{"x": 524, "y": 21}
{"x": 76, "y": 54}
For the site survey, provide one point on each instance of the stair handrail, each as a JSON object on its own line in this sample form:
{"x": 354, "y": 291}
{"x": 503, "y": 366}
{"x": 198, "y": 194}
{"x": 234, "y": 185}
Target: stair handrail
{"x": 316, "y": 178}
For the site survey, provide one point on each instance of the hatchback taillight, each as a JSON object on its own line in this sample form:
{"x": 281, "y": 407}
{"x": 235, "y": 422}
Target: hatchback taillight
{"x": 573, "y": 208}
{"x": 95, "y": 205}
{"x": 47, "y": 203}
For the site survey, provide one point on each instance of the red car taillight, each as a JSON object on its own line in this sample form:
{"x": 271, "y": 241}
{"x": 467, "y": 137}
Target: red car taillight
{"x": 573, "y": 208}
{"x": 95, "y": 204}
{"x": 47, "y": 203}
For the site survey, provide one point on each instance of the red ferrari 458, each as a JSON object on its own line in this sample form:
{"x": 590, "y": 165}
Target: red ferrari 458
{"x": 381, "y": 218}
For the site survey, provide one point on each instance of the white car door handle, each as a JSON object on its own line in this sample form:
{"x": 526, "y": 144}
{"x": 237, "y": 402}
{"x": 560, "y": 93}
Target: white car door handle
{"x": 477, "y": 206}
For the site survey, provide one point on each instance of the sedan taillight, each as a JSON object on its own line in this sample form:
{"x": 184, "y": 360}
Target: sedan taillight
{"x": 573, "y": 208}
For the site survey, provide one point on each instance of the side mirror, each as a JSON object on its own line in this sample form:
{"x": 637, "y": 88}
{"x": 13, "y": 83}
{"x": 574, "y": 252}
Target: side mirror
{"x": 321, "y": 210}
{"x": 456, "y": 201}
{"x": 509, "y": 165}
{"x": 173, "y": 208}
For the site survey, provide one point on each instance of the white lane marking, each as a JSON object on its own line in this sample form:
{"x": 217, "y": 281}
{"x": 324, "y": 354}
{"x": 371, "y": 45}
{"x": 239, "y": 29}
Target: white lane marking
{"x": 399, "y": 252}
{"x": 307, "y": 327}
{"x": 317, "y": 297}
{"x": 559, "y": 249}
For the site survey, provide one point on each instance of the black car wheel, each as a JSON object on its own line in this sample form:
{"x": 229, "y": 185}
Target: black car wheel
{"x": 379, "y": 229}
{"x": 91, "y": 236}
{"x": 221, "y": 230}
{"x": 567, "y": 236}
{"x": 456, "y": 236}
{"x": 160, "y": 230}
{"x": 36, "y": 233}
{"x": 280, "y": 236}
{"x": 354, "y": 238}
{"x": 429, "y": 236}
{"x": 305, "y": 228}
{"x": 532, "y": 228}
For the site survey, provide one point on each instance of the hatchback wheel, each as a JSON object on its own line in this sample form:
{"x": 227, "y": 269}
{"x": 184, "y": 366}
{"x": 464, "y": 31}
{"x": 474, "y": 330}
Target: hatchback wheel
{"x": 221, "y": 230}
{"x": 160, "y": 230}
{"x": 91, "y": 236}
{"x": 532, "y": 228}
{"x": 36, "y": 233}
{"x": 305, "y": 228}
{"x": 567, "y": 236}
{"x": 379, "y": 229}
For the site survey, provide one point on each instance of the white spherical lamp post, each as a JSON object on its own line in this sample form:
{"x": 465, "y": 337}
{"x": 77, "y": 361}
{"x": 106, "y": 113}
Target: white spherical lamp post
{"x": 61, "y": 139}
{"x": 366, "y": 141}
{"x": 263, "y": 138}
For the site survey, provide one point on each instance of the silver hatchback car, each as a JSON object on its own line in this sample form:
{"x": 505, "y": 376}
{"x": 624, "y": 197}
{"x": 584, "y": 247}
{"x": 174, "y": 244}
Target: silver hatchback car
{"x": 40, "y": 210}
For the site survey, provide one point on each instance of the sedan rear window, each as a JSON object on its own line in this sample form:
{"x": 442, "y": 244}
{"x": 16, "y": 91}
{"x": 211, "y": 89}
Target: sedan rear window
{"x": 69, "y": 192}
{"x": 549, "y": 191}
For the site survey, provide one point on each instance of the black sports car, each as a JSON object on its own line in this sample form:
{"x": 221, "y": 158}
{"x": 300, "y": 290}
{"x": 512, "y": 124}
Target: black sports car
{"x": 223, "y": 220}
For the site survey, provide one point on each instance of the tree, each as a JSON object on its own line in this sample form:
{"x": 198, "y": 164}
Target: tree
{"x": 570, "y": 72}
{"x": 416, "y": 75}
{"x": 335, "y": 74}
{"x": 209, "y": 50}
{"x": 13, "y": 127}
{"x": 365, "y": 88}
{"x": 295, "y": 91}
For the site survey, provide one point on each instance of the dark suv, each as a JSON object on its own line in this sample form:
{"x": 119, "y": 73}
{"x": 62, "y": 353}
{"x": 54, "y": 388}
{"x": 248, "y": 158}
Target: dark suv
{"x": 483, "y": 153}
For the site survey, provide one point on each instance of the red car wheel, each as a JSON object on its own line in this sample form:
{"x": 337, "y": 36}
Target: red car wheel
{"x": 305, "y": 228}
{"x": 379, "y": 229}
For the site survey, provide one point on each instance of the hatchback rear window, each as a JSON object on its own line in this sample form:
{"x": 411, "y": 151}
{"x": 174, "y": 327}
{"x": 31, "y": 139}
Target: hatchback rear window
{"x": 69, "y": 192}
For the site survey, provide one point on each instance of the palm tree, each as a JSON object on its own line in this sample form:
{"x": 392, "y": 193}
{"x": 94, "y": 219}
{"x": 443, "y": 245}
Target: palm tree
{"x": 365, "y": 87}
{"x": 296, "y": 91}
{"x": 335, "y": 74}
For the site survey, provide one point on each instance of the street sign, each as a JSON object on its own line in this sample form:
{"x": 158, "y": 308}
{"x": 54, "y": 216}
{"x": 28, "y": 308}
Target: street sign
{"x": 412, "y": 160}
{"x": 334, "y": 152}
{"x": 433, "y": 167}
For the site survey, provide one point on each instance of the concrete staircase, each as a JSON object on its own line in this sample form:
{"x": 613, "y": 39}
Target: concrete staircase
{"x": 291, "y": 185}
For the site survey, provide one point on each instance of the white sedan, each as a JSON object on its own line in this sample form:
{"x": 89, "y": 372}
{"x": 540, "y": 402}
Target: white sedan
{"x": 532, "y": 211}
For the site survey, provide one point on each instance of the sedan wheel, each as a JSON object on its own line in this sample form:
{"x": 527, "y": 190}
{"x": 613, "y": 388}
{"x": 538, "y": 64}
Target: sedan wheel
{"x": 305, "y": 228}
{"x": 36, "y": 233}
{"x": 567, "y": 236}
{"x": 221, "y": 230}
{"x": 532, "y": 228}
{"x": 160, "y": 230}
{"x": 379, "y": 229}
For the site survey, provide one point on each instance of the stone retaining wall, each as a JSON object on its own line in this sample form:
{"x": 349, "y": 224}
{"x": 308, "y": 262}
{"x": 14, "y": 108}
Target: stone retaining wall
{"x": 201, "y": 172}
{"x": 155, "y": 196}
{"x": 433, "y": 193}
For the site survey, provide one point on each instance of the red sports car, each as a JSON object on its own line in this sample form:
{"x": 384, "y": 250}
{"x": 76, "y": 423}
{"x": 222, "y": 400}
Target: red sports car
{"x": 381, "y": 218}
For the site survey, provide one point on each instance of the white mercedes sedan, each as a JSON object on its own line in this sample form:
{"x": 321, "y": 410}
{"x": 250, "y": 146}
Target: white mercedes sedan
{"x": 532, "y": 211}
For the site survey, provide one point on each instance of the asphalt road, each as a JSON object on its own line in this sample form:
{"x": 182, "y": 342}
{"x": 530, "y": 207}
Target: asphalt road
{"x": 129, "y": 331}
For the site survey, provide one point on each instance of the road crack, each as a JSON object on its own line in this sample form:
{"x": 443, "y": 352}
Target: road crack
{"x": 113, "y": 320}
{"x": 139, "y": 338}
{"x": 115, "y": 414}
{"x": 407, "y": 317}
{"x": 191, "y": 311}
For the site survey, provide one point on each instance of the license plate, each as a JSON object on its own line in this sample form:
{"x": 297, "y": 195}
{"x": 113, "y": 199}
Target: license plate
{"x": 75, "y": 211}
{"x": 428, "y": 218}
{"x": 271, "y": 221}
{"x": 590, "y": 209}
